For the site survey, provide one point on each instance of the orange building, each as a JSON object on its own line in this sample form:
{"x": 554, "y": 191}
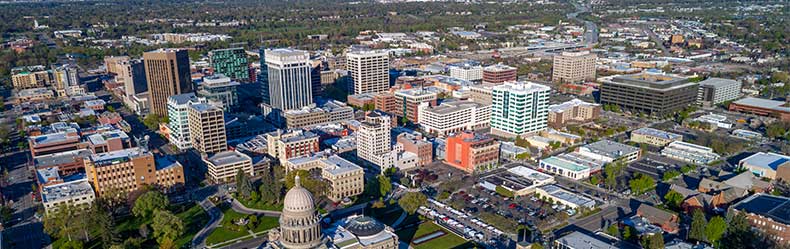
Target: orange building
{"x": 472, "y": 152}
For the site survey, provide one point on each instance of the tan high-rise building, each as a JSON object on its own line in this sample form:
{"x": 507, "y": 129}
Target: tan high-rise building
{"x": 130, "y": 169}
{"x": 373, "y": 137}
{"x": 114, "y": 64}
{"x": 369, "y": 70}
{"x": 31, "y": 77}
{"x": 574, "y": 67}
{"x": 207, "y": 128}
{"x": 167, "y": 73}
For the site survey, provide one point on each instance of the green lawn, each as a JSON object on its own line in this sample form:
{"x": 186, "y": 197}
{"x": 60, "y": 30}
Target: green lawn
{"x": 192, "y": 215}
{"x": 222, "y": 234}
{"x": 449, "y": 240}
{"x": 261, "y": 205}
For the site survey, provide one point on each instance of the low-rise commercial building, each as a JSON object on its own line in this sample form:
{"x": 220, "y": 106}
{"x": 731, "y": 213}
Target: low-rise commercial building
{"x": 769, "y": 165}
{"x": 472, "y": 152}
{"x": 768, "y": 214}
{"x": 309, "y": 116}
{"x": 345, "y": 178}
{"x": 55, "y": 142}
{"x": 561, "y": 196}
{"x": 454, "y": 117}
{"x": 110, "y": 140}
{"x": 579, "y": 240}
{"x": 654, "y": 94}
{"x": 762, "y": 107}
{"x": 571, "y": 165}
{"x": 518, "y": 180}
{"x": 610, "y": 151}
{"x": 713, "y": 91}
{"x": 222, "y": 167}
{"x": 690, "y": 153}
{"x": 419, "y": 146}
{"x": 293, "y": 143}
{"x": 76, "y": 194}
{"x": 126, "y": 170}
{"x": 407, "y": 102}
{"x": 67, "y": 162}
{"x": 573, "y": 111}
{"x": 499, "y": 73}
{"x": 654, "y": 137}
{"x": 34, "y": 95}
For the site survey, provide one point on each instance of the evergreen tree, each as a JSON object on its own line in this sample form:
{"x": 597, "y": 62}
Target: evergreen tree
{"x": 698, "y": 224}
{"x": 243, "y": 184}
{"x": 715, "y": 229}
{"x": 385, "y": 185}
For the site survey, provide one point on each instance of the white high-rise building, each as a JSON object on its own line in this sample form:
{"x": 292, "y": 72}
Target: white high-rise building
{"x": 373, "y": 137}
{"x": 369, "y": 69}
{"x": 290, "y": 87}
{"x": 177, "y": 113}
{"x": 467, "y": 72}
{"x": 519, "y": 108}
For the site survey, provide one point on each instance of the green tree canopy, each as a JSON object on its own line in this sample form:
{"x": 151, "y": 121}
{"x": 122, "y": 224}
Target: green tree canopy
{"x": 715, "y": 229}
{"x": 166, "y": 226}
{"x": 411, "y": 201}
{"x": 641, "y": 184}
{"x": 243, "y": 184}
{"x": 148, "y": 203}
{"x": 385, "y": 185}
{"x": 315, "y": 186}
{"x": 698, "y": 224}
{"x": 673, "y": 199}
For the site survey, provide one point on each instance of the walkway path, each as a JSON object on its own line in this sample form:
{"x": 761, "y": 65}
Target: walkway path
{"x": 400, "y": 219}
{"x": 199, "y": 241}
{"x": 238, "y": 207}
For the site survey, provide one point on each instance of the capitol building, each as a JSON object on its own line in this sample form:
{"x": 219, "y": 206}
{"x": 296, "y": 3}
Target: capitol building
{"x": 300, "y": 227}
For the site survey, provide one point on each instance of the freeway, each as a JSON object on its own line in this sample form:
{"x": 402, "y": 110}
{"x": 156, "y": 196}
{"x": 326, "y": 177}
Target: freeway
{"x": 591, "y": 29}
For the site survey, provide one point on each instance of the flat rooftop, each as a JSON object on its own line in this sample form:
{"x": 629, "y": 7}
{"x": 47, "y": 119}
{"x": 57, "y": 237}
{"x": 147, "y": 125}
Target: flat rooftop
{"x": 766, "y": 160}
{"x": 652, "y": 81}
{"x": 337, "y": 165}
{"x": 72, "y": 189}
{"x": 118, "y": 156}
{"x": 57, "y": 137}
{"x": 774, "y": 207}
{"x": 569, "y": 104}
{"x": 101, "y": 138}
{"x": 566, "y": 195}
{"x": 657, "y": 133}
{"x": 522, "y": 87}
{"x": 718, "y": 82}
{"x": 228, "y": 157}
{"x": 61, "y": 158}
{"x": 453, "y": 106}
{"x": 763, "y": 103}
{"x": 565, "y": 163}
{"x": 580, "y": 240}
{"x": 610, "y": 148}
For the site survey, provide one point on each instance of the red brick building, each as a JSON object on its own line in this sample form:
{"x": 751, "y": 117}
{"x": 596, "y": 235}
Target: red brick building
{"x": 471, "y": 152}
{"x": 499, "y": 73}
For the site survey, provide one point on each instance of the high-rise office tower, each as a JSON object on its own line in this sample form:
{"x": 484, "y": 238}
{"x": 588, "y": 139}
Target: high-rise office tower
{"x": 519, "y": 108}
{"x": 178, "y": 114}
{"x": 369, "y": 70}
{"x": 220, "y": 89}
{"x": 130, "y": 72}
{"x": 167, "y": 73}
{"x": 207, "y": 128}
{"x": 231, "y": 62}
{"x": 263, "y": 77}
{"x": 289, "y": 83}
{"x": 373, "y": 137}
{"x": 572, "y": 67}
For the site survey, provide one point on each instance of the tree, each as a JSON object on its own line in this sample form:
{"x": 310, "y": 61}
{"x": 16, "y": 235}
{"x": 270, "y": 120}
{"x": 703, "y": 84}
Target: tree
{"x": 612, "y": 171}
{"x": 698, "y": 224}
{"x": 110, "y": 108}
{"x": 166, "y": 226}
{"x": 673, "y": 199}
{"x": 535, "y": 245}
{"x": 5, "y": 213}
{"x": 594, "y": 180}
{"x": 613, "y": 230}
{"x": 59, "y": 222}
{"x": 641, "y": 184}
{"x": 715, "y": 229}
{"x": 72, "y": 244}
{"x": 167, "y": 243}
{"x": 151, "y": 121}
{"x": 148, "y": 203}
{"x": 670, "y": 174}
{"x": 385, "y": 185}
{"x": 315, "y": 186}
{"x": 243, "y": 184}
{"x": 411, "y": 201}
{"x": 655, "y": 241}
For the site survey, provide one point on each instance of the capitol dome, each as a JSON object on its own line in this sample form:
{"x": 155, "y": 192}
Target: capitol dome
{"x": 298, "y": 199}
{"x": 364, "y": 226}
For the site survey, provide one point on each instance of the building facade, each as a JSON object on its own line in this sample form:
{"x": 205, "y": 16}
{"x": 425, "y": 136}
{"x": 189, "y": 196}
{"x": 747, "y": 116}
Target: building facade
{"x": 289, "y": 81}
{"x": 407, "y": 102}
{"x": 373, "y": 137}
{"x": 572, "y": 67}
{"x": 178, "y": 115}
{"x": 291, "y": 144}
{"x": 231, "y": 62}
{"x": 167, "y": 73}
{"x": 454, "y": 117}
{"x": 220, "y": 89}
{"x": 499, "y": 73}
{"x": 222, "y": 167}
{"x": 654, "y": 137}
{"x": 713, "y": 91}
{"x": 207, "y": 128}
{"x": 472, "y": 152}
{"x": 654, "y": 94}
{"x": 519, "y": 108}
{"x": 467, "y": 72}
{"x": 127, "y": 170}
{"x": 369, "y": 70}
{"x": 573, "y": 111}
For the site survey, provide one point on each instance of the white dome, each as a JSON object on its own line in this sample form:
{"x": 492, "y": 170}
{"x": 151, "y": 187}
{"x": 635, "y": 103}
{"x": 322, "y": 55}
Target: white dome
{"x": 298, "y": 198}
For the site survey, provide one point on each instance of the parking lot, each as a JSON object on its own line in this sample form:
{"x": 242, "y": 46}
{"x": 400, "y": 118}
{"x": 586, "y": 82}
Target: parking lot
{"x": 462, "y": 223}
